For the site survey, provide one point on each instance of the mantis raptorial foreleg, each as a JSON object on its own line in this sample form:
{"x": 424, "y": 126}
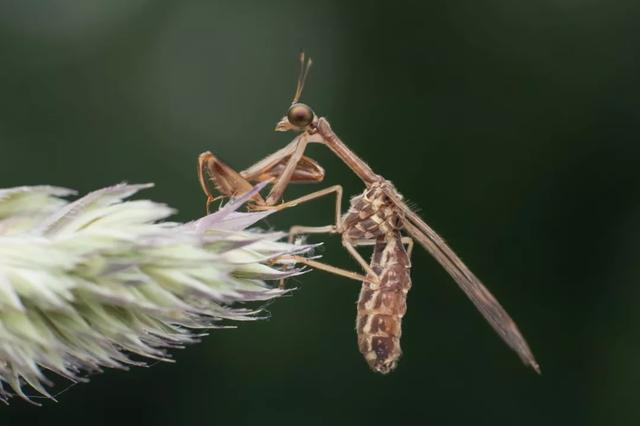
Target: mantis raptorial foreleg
{"x": 213, "y": 175}
{"x": 307, "y": 169}
{"x": 283, "y": 180}
{"x": 282, "y": 167}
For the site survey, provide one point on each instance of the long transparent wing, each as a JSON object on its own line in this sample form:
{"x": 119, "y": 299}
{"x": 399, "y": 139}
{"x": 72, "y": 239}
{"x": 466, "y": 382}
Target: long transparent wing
{"x": 484, "y": 301}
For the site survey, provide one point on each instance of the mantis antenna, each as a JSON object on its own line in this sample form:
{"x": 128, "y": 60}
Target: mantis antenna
{"x": 302, "y": 77}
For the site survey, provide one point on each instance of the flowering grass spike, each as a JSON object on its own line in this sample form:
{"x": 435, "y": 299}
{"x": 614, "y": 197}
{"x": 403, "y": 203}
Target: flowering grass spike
{"x": 104, "y": 282}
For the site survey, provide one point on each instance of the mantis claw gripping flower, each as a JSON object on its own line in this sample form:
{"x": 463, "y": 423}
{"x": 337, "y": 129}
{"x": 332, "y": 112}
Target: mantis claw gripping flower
{"x": 88, "y": 284}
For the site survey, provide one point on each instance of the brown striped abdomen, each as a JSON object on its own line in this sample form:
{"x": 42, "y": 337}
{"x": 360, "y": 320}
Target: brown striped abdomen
{"x": 370, "y": 215}
{"x": 382, "y": 306}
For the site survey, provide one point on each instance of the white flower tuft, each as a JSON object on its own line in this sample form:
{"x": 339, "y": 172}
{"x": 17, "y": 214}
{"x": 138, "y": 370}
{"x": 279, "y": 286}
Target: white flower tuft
{"x": 87, "y": 284}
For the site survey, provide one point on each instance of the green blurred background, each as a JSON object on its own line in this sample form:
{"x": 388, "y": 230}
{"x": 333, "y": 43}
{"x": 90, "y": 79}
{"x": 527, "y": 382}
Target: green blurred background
{"x": 512, "y": 125}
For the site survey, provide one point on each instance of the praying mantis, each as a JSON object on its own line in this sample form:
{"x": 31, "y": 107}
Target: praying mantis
{"x": 378, "y": 217}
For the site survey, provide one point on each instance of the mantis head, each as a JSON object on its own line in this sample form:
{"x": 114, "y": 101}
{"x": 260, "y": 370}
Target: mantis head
{"x": 299, "y": 116}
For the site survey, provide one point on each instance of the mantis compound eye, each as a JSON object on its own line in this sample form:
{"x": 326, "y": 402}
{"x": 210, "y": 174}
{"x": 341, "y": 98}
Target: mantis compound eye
{"x": 300, "y": 115}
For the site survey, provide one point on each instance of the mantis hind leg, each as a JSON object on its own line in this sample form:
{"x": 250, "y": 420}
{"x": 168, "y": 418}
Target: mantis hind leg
{"x": 351, "y": 248}
{"x": 329, "y": 229}
{"x": 324, "y": 267}
{"x": 408, "y": 241}
{"x": 337, "y": 189}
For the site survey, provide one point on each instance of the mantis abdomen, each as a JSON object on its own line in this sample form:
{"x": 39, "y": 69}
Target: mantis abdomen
{"x": 382, "y": 306}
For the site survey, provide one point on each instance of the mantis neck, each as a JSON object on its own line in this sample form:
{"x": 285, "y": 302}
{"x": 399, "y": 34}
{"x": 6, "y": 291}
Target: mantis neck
{"x": 349, "y": 157}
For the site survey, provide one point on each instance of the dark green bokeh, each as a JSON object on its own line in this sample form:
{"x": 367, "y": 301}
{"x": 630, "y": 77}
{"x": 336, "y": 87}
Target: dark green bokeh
{"x": 512, "y": 125}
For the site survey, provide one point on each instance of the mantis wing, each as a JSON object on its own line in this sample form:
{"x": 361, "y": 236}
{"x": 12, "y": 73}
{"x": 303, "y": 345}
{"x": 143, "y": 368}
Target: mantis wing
{"x": 484, "y": 301}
